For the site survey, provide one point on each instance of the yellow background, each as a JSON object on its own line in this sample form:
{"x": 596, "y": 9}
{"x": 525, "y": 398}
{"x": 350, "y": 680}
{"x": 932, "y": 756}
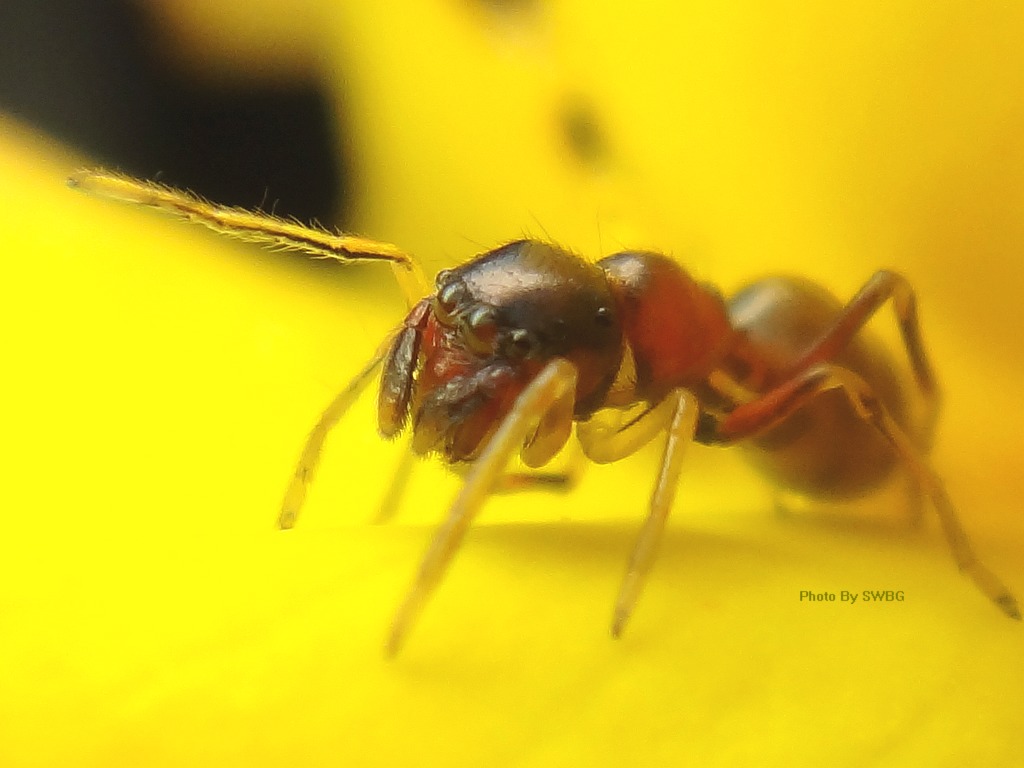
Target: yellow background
{"x": 158, "y": 383}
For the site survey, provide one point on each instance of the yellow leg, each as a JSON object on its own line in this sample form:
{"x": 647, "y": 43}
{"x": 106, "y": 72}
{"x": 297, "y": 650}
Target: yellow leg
{"x": 552, "y": 386}
{"x": 256, "y": 227}
{"x": 559, "y": 481}
{"x": 611, "y": 434}
{"x": 681, "y": 427}
{"x": 310, "y": 458}
{"x": 396, "y": 488}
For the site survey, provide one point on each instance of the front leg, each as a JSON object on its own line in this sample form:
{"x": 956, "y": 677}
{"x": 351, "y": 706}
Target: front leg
{"x": 552, "y": 391}
{"x": 258, "y": 227}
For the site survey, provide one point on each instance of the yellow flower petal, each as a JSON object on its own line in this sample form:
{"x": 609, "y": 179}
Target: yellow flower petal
{"x": 159, "y": 382}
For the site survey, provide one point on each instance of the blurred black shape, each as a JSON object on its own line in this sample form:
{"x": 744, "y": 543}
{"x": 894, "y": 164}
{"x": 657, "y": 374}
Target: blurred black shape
{"x": 85, "y": 73}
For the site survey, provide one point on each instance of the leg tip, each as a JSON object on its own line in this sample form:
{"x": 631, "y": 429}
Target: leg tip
{"x": 393, "y": 644}
{"x": 619, "y": 623}
{"x": 1008, "y": 604}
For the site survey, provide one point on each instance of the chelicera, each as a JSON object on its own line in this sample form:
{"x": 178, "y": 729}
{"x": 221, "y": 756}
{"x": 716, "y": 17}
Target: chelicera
{"x": 525, "y": 344}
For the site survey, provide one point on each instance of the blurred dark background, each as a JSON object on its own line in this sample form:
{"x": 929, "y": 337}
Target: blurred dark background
{"x": 89, "y": 75}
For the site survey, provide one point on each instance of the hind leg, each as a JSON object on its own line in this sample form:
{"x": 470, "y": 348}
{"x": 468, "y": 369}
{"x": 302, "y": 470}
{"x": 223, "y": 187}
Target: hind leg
{"x": 778, "y": 404}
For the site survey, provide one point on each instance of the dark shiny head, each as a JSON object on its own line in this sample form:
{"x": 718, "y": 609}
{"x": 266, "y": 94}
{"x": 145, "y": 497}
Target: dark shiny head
{"x": 492, "y": 325}
{"x": 530, "y": 301}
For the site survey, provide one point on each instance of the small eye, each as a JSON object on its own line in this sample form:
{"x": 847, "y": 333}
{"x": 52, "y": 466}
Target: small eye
{"x": 518, "y": 344}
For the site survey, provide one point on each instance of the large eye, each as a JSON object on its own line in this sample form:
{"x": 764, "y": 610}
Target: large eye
{"x": 480, "y": 330}
{"x": 448, "y": 299}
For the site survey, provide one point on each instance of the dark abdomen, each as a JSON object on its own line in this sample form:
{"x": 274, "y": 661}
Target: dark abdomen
{"x": 824, "y": 449}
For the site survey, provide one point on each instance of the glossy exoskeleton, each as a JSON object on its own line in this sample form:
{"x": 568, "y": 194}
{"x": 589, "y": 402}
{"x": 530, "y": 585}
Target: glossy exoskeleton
{"x": 514, "y": 348}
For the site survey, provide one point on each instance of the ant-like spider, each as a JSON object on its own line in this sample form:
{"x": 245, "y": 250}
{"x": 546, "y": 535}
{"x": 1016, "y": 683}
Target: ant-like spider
{"x": 515, "y": 346}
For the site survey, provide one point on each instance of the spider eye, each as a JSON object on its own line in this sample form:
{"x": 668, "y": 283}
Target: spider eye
{"x": 519, "y": 344}
{"x": 480, "y": 330}
{"x": 447, "y": 300}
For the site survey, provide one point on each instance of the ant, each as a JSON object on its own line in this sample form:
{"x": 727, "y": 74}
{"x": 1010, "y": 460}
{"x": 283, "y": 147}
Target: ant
{"x": 513, "y": 348}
